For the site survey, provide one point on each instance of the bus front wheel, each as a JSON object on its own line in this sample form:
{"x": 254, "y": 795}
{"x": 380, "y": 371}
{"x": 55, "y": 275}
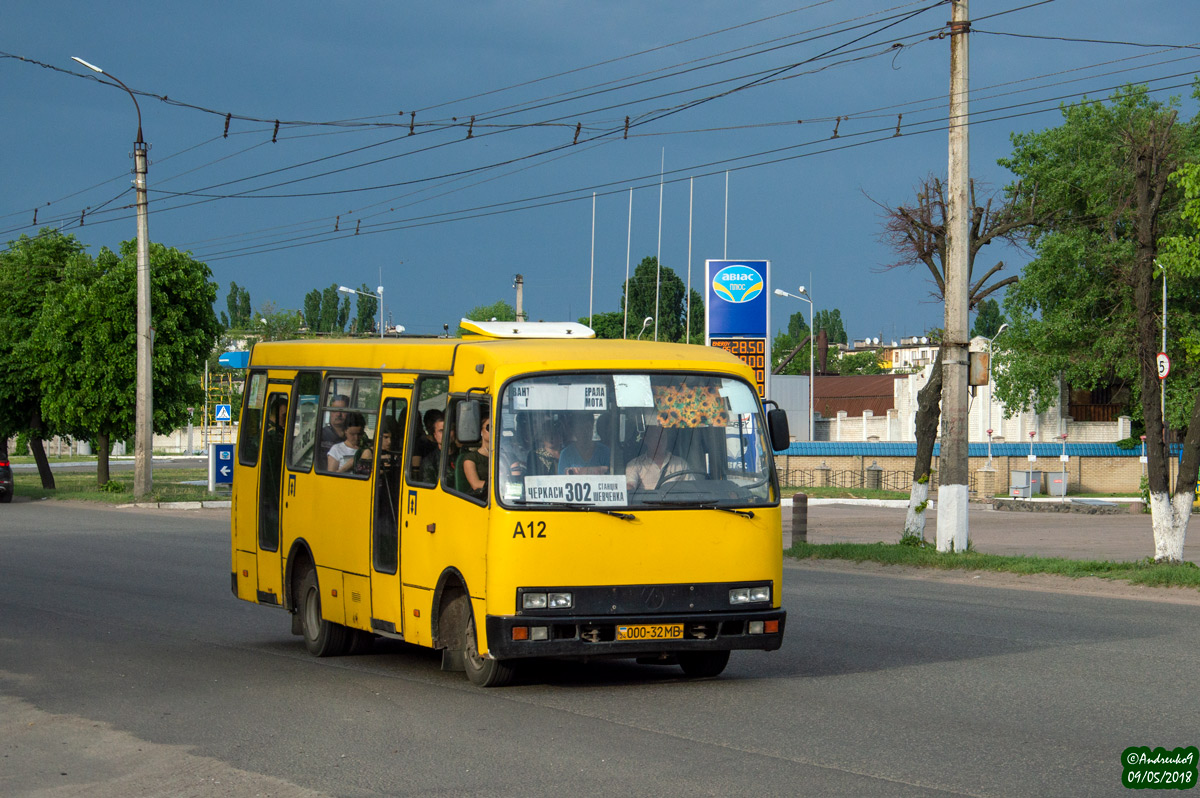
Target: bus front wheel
{"x": 483, "y": 671}
{"x": 322, "y": 638}
{"x": 703, "y": 664}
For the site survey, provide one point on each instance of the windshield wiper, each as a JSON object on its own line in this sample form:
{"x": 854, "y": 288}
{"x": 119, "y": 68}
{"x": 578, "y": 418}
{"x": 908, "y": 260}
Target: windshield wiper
{"x": 589, "y": 508}
{"x": 707, "y": 506}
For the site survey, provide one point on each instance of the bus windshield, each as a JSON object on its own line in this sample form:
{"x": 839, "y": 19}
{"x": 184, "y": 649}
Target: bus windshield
{"x": 649, "y": 440}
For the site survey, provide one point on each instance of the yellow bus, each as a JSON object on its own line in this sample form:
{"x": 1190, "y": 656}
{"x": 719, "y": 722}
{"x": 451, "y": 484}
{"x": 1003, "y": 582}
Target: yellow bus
{"x": 525, "y": 491}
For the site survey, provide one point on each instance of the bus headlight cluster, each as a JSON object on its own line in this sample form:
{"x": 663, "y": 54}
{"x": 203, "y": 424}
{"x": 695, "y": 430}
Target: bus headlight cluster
{"x": 750, "y": 595}
{"x": 547, "y": 601}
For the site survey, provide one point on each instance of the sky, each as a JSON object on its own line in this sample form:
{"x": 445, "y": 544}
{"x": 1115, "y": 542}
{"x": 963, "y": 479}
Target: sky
{"x": 772, "y": 123}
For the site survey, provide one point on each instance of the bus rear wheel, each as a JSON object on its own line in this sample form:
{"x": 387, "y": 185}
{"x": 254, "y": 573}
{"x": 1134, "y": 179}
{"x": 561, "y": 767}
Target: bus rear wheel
{"x": 704, "y": 664}
{"x": 322, "y": 638}
{"x": 483, "y": 671}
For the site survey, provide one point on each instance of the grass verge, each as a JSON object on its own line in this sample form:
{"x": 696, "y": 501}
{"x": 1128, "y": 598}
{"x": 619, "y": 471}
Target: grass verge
{"x": 81, "y": 486}
{"x": 1141, "y": 572}
{"x": 846, "y": 493}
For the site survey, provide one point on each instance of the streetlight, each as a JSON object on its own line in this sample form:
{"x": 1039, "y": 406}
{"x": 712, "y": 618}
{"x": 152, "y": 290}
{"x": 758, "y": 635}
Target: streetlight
{"x": 377, "y": 295}
{"x": 645, "y": 324}
{"x": 991, "y": 340}
{"x": 807, "y": 297}
{"x": 143, "y": 462}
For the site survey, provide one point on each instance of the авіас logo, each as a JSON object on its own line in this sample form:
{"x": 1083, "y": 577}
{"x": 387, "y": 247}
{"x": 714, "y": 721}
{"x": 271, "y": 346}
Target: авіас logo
{"x": 737, "y": 284}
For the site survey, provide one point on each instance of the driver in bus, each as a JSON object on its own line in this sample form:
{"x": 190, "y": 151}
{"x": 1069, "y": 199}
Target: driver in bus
{"x": 656, "y": 462}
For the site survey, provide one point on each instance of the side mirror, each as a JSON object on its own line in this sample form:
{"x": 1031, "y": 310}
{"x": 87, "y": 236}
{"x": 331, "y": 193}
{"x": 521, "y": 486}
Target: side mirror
{"x": 777, "y": 428}
{"x": 468, "y": 422}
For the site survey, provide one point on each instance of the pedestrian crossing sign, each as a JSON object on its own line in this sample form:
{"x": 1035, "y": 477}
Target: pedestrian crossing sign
{"x": 223, "y": 413}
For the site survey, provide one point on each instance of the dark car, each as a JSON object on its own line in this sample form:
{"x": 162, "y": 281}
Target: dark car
{"x": 6, "y": 482}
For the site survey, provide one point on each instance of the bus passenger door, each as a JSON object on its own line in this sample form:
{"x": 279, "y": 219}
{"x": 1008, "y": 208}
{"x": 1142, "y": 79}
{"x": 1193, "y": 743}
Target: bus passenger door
{"x": 270, "y": 489}
{"x": 386, "y": 605}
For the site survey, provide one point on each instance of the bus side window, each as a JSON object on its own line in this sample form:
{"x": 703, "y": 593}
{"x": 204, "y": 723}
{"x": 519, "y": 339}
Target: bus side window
{"x": 455, "y": 477}
{"x": 250, "y": 429}
{"x": 426, "y": 451}
{"x": 348, "y": 425}
{"x": 307, "y": 391}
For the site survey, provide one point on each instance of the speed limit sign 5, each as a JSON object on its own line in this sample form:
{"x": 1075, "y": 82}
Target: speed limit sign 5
{"x": 1164, "y": 365}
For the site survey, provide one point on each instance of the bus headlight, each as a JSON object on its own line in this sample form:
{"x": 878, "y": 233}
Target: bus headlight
{"x": 750, "y": 595}
{"x": 547, "y": 601}
{"x": 533, "y": 601}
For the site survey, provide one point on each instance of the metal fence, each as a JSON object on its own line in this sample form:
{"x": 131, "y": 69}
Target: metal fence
{"x": 856, "y": 479}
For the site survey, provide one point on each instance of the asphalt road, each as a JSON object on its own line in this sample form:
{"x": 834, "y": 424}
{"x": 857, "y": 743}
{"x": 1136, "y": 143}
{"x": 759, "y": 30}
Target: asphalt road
{"x": 127, "y": 668}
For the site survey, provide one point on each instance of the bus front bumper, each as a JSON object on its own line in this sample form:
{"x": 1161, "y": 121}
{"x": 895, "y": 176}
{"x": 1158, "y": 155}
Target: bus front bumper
{"x": 577, "y": 636}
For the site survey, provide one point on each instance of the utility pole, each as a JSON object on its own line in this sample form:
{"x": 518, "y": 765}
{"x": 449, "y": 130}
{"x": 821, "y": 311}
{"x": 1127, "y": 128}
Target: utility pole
{"x": 953, "y": 491}
{"x": 519, "y": 284}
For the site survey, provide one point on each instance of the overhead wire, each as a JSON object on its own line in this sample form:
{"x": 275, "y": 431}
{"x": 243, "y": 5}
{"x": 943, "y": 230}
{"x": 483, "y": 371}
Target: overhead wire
{"x": 459, "y": 175}
{"x": 651, "y": 180}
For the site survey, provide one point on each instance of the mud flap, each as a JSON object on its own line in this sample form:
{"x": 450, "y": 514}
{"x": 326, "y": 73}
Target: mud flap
{"x": 452, "y": 659}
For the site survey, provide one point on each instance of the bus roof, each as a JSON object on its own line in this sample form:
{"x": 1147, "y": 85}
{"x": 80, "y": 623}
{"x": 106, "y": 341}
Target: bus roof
{"x": 439, "y": 354}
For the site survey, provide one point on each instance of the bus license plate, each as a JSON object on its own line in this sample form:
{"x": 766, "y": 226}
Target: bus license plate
{"x": 658, "y": 631}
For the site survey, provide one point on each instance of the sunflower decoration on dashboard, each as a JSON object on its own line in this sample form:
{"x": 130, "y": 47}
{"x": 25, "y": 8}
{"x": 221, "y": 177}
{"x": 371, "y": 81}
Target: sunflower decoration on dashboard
{"x": 680, "y": 405}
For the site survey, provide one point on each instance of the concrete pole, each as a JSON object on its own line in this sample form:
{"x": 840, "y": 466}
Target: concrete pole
{"x": 687, "y": 323}
{"x": 519, "y": 284}
{"x": 143, "y": 464}
{"x": 658, "y": 272}
{"x": 953, "y": 492}
{"x": 592, "y": 273}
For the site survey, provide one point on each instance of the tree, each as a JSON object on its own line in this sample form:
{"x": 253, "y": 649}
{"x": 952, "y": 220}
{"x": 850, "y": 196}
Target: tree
{"x": 28, "y": 270}
{"x": 917, "y": 232}
{"x": 278, "y": 325}
{"x": 86, "y": 339}
{"x": 672, "y": 304}
{"x": 329, "y": 310}
{"x": 367, "y": 305}
{"x": 988, "y": 322}
{"x": 238, "y": 301}
{"x": 831, "y": 322}
{"x": 797, "y": 326}
{"x": 865, "y": 362}
{"x": 312, "y": 310}
{"x": 1086, "y": 309}
{"x": 607, "y": 325}
{"x": 649, "y": 286}
{"x": 343, "y": 315}
{"x": 790, "y": 356}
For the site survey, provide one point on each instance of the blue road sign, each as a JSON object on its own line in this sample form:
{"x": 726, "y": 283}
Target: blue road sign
{"x": 223, "y": 463}
{"x": 234, "y": 360}
{"x": 223, "y": 413}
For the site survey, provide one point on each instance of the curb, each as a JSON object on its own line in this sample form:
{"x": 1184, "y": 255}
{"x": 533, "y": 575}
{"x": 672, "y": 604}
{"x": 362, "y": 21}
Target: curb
{"x": 202, "y": 505}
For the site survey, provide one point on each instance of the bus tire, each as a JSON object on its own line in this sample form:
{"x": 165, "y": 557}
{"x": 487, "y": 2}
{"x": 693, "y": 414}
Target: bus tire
{"x": 322, "y": 638}
{"x": 483, "y": 671}
{"x": 703, "y": 664}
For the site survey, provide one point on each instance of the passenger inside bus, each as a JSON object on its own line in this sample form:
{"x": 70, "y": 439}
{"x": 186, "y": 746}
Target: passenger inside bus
{"x": 334, "y": 432}
{"x": 583, "y": 455}
{"x": 430, "y": 442}
{"x": 471, "y": 471}
{"x": 515, "y": 449}
{"x": 549, "y": 447}
{"x": 353, "y": 450}
{"x": 431, "y": 460}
